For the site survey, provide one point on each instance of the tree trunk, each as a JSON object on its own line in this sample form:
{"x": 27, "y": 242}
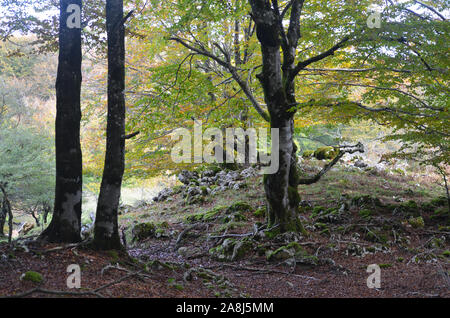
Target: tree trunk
{"x": 106, "y": 234}
{"x": 3, "y": 213}
{"x": 279, "y": 94}
{"x": 66, "y": 222}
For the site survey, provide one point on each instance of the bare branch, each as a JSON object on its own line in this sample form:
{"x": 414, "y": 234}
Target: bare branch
{"x": 301, "y": 65}
{"x": 342, "y": 151}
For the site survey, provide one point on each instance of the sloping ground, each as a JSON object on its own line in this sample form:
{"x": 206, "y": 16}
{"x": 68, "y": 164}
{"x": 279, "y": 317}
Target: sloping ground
{"x": 213, "y": 249}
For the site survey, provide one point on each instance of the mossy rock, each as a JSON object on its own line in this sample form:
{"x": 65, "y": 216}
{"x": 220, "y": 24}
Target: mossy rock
{"x": 365, "y": 201}
{"x": 323, "y": 153}
{"x": 439, "y": 201}
{"x": 239, "y": 206}
{"x": 441, "y": 213}
{"x": 235, "y": 217}
{"x": 231, "y": 250}
{"x": 376, "y": 236}
{"x": 196, "y": 199}
{"x": 365, "y": 213}
{"x": 284, "y": 252}
{"x": 417, "y": 222}
{"x": 231, "y": 226}
{"x": 317, "y": 210}
{"x": 308, "y": 153}
{"x": 143, "y": 230}
{"x": 208, "y": 216}
{"x": 241, "y": 249}
{"x": 34, "y": 277}
{"x": 260, "y": 212}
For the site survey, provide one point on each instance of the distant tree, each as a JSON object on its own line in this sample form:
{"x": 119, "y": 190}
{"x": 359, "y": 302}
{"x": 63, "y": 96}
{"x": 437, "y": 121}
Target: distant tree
{"x": 27, "y": 168}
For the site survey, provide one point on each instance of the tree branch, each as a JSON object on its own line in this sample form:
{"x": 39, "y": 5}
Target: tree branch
{"x": 342, "y": 151}
{"x": 301, "y": 65}
{"x": 227, "y": 65}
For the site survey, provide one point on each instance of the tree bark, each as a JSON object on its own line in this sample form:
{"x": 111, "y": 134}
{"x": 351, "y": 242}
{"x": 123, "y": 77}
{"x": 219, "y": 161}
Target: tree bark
{"x": 279, "y": 94}
{"x": 66, "y": 222}
{"x": 106, "y": 234}
{"x": 3, "y": 213}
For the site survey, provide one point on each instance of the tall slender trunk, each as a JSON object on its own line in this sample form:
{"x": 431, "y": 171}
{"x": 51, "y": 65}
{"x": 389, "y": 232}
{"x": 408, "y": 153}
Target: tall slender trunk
{"x": 66, "y": 222}
{"x": 106, "y": 233}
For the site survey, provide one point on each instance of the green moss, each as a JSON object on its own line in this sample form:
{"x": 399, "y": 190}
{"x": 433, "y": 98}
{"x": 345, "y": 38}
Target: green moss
{"x": 400, "y": 259}
{"x": 316, "y": 210}
{"x": 143, "y": 230}
{"x": 376, "y": 236}
{"x": 231, "y": 226}
{"x": 239, "y": 206}
{"x": 446, "y": 253}
{"x": 294, "y": 196}
{"x": 417, "y": 222}
{"x": 204, "y": 190}
{"x": 308, "y": 153}
{"x": 206, "y": 216}
{"x": 385, "y": 265}
{"x": 320, "y": 225}
{"x": 235, "y": 217}
{"x": 439, "y": 201}
{"x": 365, "y": 213}
{"x": 284, "y": 252}
{"x": 272, "y": 233}
{"x": 326, "y": 153}
{"x": 260, "y": 212}
{"x": 34, "y": 277}
{"x": 411, "y": 204}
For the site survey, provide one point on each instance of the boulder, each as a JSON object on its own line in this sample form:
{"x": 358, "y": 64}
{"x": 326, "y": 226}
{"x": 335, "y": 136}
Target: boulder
{"x": 187, "y": 177}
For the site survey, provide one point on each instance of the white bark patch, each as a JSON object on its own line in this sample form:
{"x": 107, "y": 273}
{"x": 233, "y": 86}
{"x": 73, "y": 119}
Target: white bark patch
{"x": 68, "y": 208}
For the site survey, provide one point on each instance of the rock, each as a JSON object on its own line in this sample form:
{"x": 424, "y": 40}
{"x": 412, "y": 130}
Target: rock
{"x": 416, "y": 222}
{"x": 325, "y": 153}
{"x": 143, "y": 230}
{"x": 189, "y": 252}
{"x": 360, "y": 164}
{"x": 208, "y": 173}
{"x": 239, "y": 206}
{"x": 231, "y": 250}
{"x": 241, "y": 248}
{"x": 284, "y": 252}
{"x": 249, "y": 172}
{"x": 305, "y": 203}
{"x": 163, "y": 195}
{"x": 186, "y": 176}
{"x": 192, "y": 191}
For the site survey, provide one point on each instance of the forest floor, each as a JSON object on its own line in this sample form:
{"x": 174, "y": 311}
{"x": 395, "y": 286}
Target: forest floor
{"x": 218, "y": 247}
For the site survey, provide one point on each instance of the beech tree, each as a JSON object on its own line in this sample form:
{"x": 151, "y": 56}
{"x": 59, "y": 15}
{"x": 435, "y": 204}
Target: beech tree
{"x": 317, "y": 60}
{"x": 66, "y": 221}
{"x": 106, "y": 233}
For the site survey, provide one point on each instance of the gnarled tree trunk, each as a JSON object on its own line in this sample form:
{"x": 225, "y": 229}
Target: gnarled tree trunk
{"x": 279, "y": 93}
{"x": 66, "y": 222}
